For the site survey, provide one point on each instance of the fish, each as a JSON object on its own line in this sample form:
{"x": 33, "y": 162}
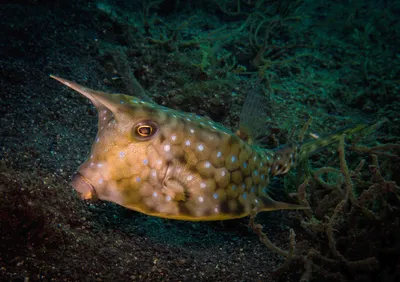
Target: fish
{"x": 171, "y": 164}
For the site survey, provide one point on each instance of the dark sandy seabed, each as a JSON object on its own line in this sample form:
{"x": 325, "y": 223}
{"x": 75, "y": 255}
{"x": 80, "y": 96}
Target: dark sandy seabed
{"x": 48, "y": 234}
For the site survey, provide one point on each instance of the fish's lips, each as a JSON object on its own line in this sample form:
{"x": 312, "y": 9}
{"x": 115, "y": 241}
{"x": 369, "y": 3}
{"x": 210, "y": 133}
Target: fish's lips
{"x": 83, "y": 186}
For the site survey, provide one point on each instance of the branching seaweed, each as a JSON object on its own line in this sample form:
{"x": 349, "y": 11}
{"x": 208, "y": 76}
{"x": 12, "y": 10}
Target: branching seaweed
{"x": 346, "y": 209}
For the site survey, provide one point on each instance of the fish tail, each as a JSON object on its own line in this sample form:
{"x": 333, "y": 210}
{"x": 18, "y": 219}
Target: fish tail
{"x": 308, "y": 148}
{"x": 292, "y": 154}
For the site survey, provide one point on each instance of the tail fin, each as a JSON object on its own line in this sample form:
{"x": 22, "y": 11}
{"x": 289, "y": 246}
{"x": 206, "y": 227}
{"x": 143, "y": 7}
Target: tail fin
{"x": 307, "y": 148}
{"x": 292, "y": 154}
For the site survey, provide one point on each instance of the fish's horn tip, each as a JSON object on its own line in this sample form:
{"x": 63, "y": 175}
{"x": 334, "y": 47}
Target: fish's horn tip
{"x": 55, "y": 77}
{"x": 62, "y": 80}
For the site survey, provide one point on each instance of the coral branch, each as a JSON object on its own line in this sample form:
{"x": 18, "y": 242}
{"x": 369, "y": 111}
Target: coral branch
{"x": 257, "y": 228}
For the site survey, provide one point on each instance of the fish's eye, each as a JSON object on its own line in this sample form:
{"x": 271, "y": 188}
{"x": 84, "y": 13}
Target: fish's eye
{"x": 144, "y": 130}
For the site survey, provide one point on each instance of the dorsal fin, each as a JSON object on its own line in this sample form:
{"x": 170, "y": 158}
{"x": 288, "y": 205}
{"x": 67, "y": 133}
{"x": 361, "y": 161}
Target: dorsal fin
{"x": 253, "y": 116}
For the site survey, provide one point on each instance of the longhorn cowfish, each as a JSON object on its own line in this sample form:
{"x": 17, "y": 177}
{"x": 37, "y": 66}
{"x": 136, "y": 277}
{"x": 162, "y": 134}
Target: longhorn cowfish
{"x": 170, "y": 164}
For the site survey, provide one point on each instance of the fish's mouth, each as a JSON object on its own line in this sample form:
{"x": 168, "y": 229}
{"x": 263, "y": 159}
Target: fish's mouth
{"x": 83, "y": 186}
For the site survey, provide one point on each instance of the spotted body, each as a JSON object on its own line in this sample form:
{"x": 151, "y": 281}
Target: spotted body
{"x": 170, "y": 164}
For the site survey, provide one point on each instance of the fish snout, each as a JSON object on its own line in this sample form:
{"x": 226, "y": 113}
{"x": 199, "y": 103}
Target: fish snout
{"x": 83, "y": 186}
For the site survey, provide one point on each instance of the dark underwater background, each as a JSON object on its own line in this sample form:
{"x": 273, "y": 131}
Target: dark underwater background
{"x": 335, "y": 62}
